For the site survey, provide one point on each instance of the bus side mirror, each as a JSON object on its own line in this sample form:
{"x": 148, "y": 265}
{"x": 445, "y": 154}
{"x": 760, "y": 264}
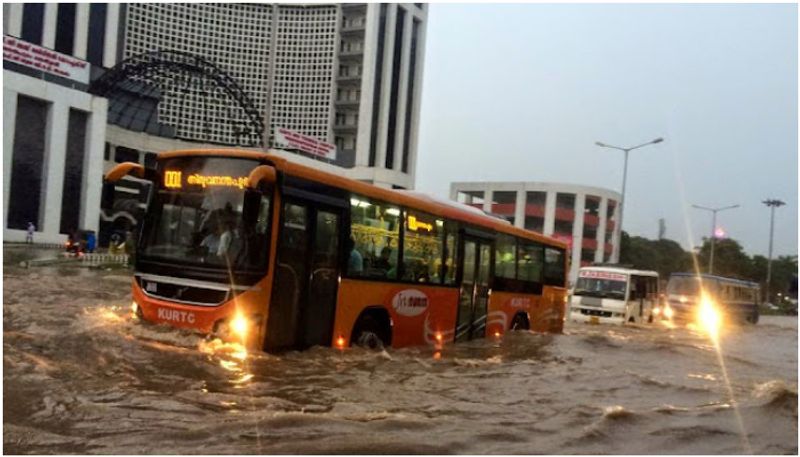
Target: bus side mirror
{"x": 124, "y": 169}
{"x": 262, "y": 175}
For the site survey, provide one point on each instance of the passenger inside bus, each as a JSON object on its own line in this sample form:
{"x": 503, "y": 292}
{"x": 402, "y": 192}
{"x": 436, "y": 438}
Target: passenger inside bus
{"x": 355, "y": 264}
{"x": 383, "y": 264}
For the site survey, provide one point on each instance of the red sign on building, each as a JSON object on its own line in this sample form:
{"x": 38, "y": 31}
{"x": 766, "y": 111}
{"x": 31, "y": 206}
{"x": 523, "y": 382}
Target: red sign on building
{"x": 285, "y": 138}
{"x": 55, "y": 63}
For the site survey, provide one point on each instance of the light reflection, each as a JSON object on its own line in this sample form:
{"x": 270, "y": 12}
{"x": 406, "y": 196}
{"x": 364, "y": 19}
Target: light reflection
{"x": 231, "y": 356}
{"x": 713, "y": 323}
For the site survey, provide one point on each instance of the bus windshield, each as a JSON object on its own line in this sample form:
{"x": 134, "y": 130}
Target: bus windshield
{"x": 203, "y": 214}
{"x": 601, "y": 288}
{"x": 683, "y": 285}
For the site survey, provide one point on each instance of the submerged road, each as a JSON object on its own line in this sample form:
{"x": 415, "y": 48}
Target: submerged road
{"x": 81, "y": 376}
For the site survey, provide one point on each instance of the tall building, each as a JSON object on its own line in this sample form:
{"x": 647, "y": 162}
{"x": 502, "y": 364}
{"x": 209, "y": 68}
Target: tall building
{"x": 344, "y": 74}
{"x": 584, "y": 217}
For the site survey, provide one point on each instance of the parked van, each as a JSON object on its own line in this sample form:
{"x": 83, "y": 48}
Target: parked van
{"x": 613, "y": 295}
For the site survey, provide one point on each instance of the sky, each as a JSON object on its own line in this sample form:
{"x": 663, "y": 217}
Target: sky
{"x": 521, "y": 92}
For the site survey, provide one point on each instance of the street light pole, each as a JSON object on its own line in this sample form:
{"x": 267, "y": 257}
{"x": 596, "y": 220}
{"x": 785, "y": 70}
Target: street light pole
{"x": 772, "y": 203}
{"x": 714, "y": 212}
{"x": 618, "y": 228}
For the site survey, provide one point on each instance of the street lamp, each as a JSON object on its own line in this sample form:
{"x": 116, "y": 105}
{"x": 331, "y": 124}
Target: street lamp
{"x": 714, "y": 211}
{"x": 772, "y": 203}
{"x": 618, "y": 228}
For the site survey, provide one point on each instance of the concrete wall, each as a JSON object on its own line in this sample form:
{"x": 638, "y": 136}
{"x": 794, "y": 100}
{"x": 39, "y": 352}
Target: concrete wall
{"x": 60, "y": 100}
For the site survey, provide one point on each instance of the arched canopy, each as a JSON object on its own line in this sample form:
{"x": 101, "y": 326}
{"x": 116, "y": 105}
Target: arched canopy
{"x": 180, "y": 95}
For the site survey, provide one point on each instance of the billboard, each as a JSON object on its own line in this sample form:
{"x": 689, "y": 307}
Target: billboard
{"x": 46, "y": 60}
{"x": 289, "y": 139}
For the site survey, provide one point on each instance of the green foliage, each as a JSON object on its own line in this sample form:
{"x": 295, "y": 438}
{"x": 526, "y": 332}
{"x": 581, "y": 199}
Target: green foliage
{"x": 664, "y": 256}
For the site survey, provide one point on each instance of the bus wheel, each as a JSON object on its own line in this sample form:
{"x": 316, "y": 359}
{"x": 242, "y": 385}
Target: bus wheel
{"x": 650, "y": 319}
{"x": 753, "y": 318}
{"x": 520, "y": 322}
{"x": 372, "y": 331}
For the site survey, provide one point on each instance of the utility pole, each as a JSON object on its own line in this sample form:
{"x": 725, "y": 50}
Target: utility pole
{"x": 618, "y": 228}
{"x": 772, "y": 204}
{"x": 714, "y": 212}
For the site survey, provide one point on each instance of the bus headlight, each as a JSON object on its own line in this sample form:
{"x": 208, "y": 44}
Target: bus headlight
{"x": 239, "y": 325}
{"x": 668, "y": 313}
{"x": 708, "y": 316}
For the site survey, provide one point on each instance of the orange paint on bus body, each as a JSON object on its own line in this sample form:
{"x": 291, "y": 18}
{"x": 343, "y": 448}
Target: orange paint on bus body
{"x": 418, "y": 312}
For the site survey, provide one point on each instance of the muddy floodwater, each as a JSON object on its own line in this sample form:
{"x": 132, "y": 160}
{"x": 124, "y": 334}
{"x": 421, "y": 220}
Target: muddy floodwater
{"x": 81, "y": 376}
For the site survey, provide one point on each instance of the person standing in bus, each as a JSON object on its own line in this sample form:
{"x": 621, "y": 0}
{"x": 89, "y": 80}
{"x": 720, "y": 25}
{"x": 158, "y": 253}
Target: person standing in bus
{"x": 355, "y": 265}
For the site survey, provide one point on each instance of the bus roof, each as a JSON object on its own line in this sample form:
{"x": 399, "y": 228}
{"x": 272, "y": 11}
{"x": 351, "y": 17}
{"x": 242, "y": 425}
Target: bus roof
{"x": 621, "y": 270}
{"x": 740, "y": 282}
{"x": 417, "y": 200}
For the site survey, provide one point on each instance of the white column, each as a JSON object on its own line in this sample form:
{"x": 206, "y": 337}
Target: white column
{"x": 550, "y": 213}
{"x": 386, "y": 85}
{"x": 81, "y": 30}
{"x": 50, "y": 24}
{"x": 577, "y": 233}
{"x": 112, "y": 27}
{"x": 92, "y": 185}
{"x": 402, "y": 92}
{"x": 601, "y": 230}
{"x": 488, "y": 195}
{"x": 55, "y": 154}
{"x": 9, "y": 121}
{"x": 413, "y": 136}
{"x": 12, "y": 21}
{"x": 519, "y": 208}
{"x": 367, "y": 84}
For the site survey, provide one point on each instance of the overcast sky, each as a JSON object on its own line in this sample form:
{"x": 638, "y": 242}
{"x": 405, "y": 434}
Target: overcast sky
{"x": 521, "y": 92}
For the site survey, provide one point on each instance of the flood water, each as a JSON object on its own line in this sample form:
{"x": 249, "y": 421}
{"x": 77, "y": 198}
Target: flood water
{"x": 81, "y": 376}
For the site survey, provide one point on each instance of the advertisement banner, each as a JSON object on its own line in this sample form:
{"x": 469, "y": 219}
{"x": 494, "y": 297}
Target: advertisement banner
{"x": 285, "y": 138}
{"x": 43, "y": 59}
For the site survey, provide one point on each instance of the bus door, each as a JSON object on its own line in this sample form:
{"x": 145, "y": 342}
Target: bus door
{"x": 474, "y": 296}
{"x": 306, "y": 277}
{"x": 639, "y": 288}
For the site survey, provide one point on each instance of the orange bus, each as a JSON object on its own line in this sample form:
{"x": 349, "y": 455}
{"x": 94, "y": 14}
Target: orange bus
{"x": 252, "y": 247}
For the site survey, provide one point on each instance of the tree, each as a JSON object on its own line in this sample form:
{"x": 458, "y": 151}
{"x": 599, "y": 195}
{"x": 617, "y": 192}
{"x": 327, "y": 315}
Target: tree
{"x": 664, "y": 256}
{"x": 729, "y": 259}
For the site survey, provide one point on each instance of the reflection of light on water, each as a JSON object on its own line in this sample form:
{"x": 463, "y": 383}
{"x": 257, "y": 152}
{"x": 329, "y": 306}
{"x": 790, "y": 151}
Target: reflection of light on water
{"x": 709, "y": 320}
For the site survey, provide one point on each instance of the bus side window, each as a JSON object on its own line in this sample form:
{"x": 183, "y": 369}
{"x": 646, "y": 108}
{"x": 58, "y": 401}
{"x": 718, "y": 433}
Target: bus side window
{"x": 554, "y": 267}
{"x": 422, "y": 248}
{"x": 529, "y": 262}
{"x": 450, "y": 253}
{"x": 375, "y": 234}
{"x": 505, "y": 261}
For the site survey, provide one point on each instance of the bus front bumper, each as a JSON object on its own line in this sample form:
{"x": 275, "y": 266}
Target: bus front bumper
{"x": 219, "y": 321}
{"x": 614, "y": 318}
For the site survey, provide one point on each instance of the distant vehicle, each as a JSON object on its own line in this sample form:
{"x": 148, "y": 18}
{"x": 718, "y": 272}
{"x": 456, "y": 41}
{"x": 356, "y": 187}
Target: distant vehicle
{"x": 613, "y": 295}
{"x": 734, "y": 298}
